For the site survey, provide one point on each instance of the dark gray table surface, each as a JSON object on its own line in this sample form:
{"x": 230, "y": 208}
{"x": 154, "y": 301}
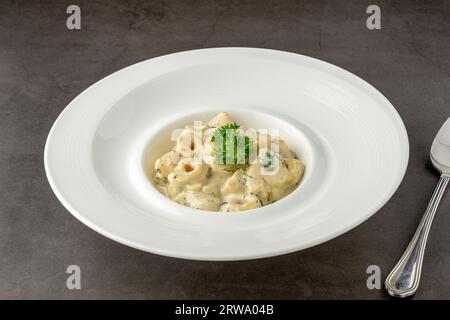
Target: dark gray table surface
{"x": 43, "y": 66}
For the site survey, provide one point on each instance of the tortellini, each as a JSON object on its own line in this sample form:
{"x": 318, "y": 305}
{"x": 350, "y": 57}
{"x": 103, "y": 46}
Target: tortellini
{"x": 202, "y": 183}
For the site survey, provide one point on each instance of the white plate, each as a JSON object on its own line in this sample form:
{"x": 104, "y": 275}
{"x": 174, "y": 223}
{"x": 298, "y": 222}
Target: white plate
{"x": 353, "y": 142}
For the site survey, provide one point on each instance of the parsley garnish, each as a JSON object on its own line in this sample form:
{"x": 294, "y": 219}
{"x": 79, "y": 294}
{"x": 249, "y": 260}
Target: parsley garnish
{"x": 232, "y": 147}
{"x": 222, "y": 131}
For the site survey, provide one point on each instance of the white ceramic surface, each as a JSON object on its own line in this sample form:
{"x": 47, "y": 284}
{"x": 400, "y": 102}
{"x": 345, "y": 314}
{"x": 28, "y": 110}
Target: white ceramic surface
{"x": 351, "y": 138}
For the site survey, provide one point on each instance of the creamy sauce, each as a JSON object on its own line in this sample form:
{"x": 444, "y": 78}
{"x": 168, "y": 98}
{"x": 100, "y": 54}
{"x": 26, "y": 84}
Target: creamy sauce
{"x": 207, "y": 185}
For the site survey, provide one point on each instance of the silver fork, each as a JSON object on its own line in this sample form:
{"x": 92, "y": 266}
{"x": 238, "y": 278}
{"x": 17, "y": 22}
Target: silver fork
{"x": 403, "y": 280}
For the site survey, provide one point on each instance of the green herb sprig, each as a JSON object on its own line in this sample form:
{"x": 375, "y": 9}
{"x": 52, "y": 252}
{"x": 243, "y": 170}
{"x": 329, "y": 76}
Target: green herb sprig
{"x": 235, "y": 152}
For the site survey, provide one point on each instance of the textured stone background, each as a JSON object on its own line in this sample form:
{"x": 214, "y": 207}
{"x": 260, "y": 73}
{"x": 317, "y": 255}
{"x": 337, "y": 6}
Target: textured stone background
{"x": 43, "y": 66}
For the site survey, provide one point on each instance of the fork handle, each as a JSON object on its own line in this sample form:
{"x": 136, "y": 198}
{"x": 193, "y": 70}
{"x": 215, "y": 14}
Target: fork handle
{"x": 404, "y": 278}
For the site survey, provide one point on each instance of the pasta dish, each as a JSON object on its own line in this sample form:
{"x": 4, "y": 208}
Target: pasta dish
{"x": 223, "y": 166}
